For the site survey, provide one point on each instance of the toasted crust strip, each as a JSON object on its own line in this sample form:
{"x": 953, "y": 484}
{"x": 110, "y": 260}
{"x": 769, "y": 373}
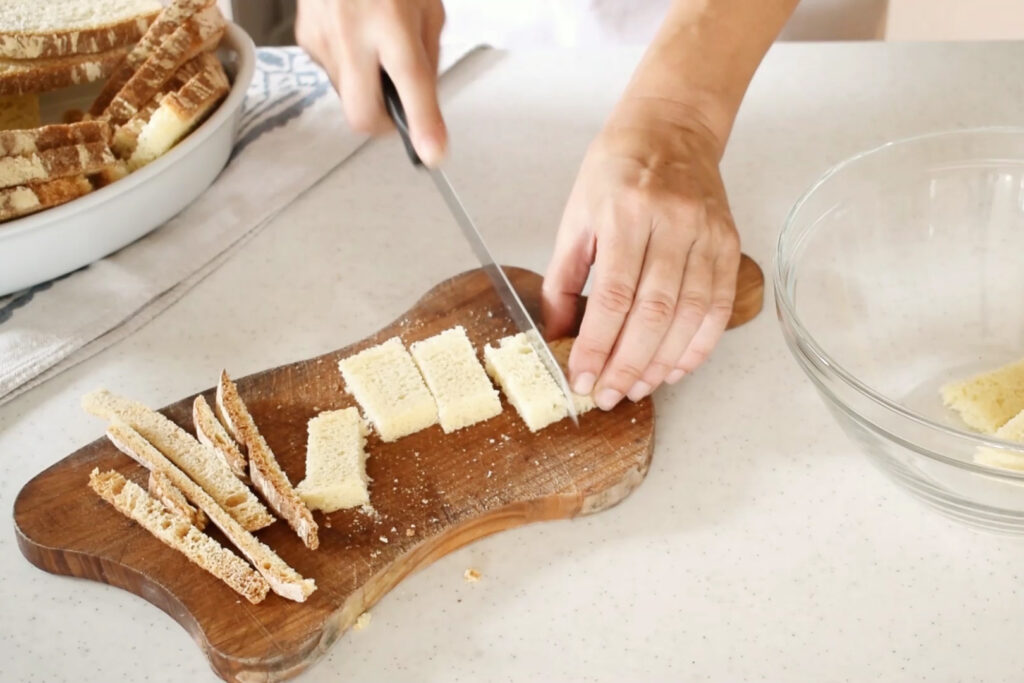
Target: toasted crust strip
{"x": 43, "y": 75}
{"x": 161, "y": 488}
{"x": 283, "y": 580}
{"x": 34, "y": 140}
{"x": 59, "y": 162}
{"x": 39, "y": 40}
{"x": 212, "y": 433}
{"x": 264, "y": 470}
{"x": 176, "y": 531}
{"x": 181, "y": 447}
{"x": 200, "y": 33}
{"x": 173, "y": 16}
{"x": 26, "y": 199}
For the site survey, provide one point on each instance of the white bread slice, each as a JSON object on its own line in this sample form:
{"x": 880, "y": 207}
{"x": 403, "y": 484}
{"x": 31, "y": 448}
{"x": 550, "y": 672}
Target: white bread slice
{"x": 126, "y": 135}
{"x": 988, "y": 401}
{"x": 25, "y": 199}
{"x": 212, "y": 434}
{"x": 335, "y": 461}
{"x": 264, "y": 471}
{"x": 176, "y": 531}
{"x": 283, "y": 580}
{"x": 560, "y": 349}
{"x": 34, "y": 29}
{"x": 59, "y": 162}
{"x": 109, "y": 175}
{"x": 527, "y": 384}
{"x": 201, "y": 463}
{"x": 455, "y": 377}
{"x": 161, "y": 488}
{"x": 174, "y": 15}
{"x": 19, "y": 111}
{"x": 201, "y": 33}
{"x": 18, "y": 77}
{"x": 389, "y": 388}
{"x": 29, "y": 141}
{"x": 180, "y": 111}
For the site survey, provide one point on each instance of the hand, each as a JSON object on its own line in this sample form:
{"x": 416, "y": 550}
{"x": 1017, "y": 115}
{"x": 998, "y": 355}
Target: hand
{"x": 649, "y": 213}
{"x": 353, "y": 39}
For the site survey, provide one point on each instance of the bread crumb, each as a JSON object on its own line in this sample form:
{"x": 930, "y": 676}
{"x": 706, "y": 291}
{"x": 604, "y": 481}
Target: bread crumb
{"x": 362, "y": 621}
{"x": 471, "y": 575}
{"x": 489, "y": 473}
{"x": 383, "y": 539}
{"x": 633, "y": 421}
{"x": 410, "y": 532}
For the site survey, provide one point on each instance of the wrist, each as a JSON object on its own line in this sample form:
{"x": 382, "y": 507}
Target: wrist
{"x": 663, "y": 121}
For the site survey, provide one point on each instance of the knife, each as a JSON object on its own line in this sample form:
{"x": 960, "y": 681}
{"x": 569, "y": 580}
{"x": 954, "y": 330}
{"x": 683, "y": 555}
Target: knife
{"x": 506, "y": 292}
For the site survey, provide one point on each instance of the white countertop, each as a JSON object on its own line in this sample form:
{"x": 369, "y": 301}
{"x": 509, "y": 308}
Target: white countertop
{"x": 762, "y": 546}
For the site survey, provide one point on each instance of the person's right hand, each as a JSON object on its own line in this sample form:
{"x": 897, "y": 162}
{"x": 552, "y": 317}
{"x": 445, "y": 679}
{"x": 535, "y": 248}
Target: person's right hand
{"x": 354, "y": 39}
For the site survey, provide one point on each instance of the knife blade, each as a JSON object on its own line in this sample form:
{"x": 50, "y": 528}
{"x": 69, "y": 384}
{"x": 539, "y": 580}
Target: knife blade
{"x": 502, "y": 285}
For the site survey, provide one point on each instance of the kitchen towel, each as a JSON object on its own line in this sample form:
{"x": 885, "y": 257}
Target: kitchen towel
{"x": 292, "y": 126}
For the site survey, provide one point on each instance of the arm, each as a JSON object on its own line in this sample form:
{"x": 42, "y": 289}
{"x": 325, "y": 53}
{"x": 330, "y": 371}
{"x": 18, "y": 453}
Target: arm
{"x": 648, "y": 213}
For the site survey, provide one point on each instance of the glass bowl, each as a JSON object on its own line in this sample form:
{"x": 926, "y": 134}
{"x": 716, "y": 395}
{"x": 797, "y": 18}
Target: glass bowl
{"x": 902, "y": 269}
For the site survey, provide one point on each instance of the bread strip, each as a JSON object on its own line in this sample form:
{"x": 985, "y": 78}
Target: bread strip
{"x": 161, "y": 488}
{"x": 26, "y": 199}
{"x": 283, "y": 580}
{"x": 264, "y": 470}
{"x": 109, "y": 175}
{"x": 133, "y": 502}
{"x": 43, "y": 75}
{"x": 127, "y": 134}
{"x": 212, "y": 434}
{"x": 180, "y": 112}
{"x": 58, "y": 29}
{"x": 202, "y": 464}
{"x": 336, "y": 461}
{"x": 58, "y": 162}
{"x": 200, "y": 34}
{"x": 34, "y": 140}
{"x": 173, "y": 16}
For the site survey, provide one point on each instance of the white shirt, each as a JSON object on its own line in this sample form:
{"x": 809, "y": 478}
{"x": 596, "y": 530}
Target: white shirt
{"x": 572, "y": 23}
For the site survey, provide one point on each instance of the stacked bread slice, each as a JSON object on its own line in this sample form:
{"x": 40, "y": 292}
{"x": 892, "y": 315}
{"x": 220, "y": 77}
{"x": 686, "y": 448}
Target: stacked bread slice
{"x": 164, "y": 79}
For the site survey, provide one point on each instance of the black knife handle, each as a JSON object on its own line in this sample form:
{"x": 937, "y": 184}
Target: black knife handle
{"x": 397, "y": 113}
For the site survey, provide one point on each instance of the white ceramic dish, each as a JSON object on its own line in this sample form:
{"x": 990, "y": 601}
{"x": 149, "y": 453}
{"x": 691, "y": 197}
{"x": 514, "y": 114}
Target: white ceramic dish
{"x": 56, "y": 241}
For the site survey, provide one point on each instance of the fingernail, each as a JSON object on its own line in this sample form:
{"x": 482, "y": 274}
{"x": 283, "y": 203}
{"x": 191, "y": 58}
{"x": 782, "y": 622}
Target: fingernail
{"x": 675, "y": 376}
{"x": 639, "y": 391}
{"x": 431, "y": 151}
{"x": 584, "y": 384}
{"x": 608, "y": 399}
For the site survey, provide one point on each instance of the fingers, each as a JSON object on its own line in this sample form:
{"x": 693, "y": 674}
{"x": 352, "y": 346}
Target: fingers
{"x": 406, "y": 60}
{"x": 649, "y": 319}
{"x": 566, "y": 275}
{"x": 723, "y": 293}
{"x": 361, "y": 96}
{"x": 693, "y": 304}
{"x": 617, "y": 266}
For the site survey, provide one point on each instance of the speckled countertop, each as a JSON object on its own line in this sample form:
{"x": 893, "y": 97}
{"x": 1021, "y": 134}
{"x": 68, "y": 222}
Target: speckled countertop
{"x": 762, "y": 547}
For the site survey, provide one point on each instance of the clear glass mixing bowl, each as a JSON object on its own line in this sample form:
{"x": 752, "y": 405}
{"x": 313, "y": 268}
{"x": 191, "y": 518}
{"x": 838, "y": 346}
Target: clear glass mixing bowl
{"x": 902, "y": 269}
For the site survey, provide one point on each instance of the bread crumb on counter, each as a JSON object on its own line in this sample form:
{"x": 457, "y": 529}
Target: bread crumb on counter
{"x": 471, "y": 575}
{"x": 362, "y": 621}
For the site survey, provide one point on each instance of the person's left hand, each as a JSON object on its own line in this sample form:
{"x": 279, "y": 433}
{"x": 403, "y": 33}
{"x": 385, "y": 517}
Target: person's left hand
{"x": 649, "y": 213}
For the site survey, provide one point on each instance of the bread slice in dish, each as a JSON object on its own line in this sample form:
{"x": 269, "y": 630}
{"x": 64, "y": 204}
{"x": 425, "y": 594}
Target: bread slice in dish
{"x": 264, "y": 471}
{"x": 173, "y": 16}
{"x": 201, "y": 33}
{"x": 35, "y": 29}
{"x": 161, "y": 488}
{"x": 455, "y": 377}
{"x": 283, "y": 580}
{"x": 29, "y": 141}
{"x": 18, "y": 77}
{"x": 180, "y": 111}
{"x": 988, "y": 401}
{"x": 335, "y": 461}
{"x": 23, "y": 200}
{"x": 199, "y": 462}
{"x": 389, "y": 389}
{"x": 58, "y": 162}
{"x": 132, "y": 501}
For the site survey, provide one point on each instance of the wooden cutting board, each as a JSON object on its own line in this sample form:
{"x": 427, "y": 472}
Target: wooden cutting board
{"x": 433, "y": 493}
